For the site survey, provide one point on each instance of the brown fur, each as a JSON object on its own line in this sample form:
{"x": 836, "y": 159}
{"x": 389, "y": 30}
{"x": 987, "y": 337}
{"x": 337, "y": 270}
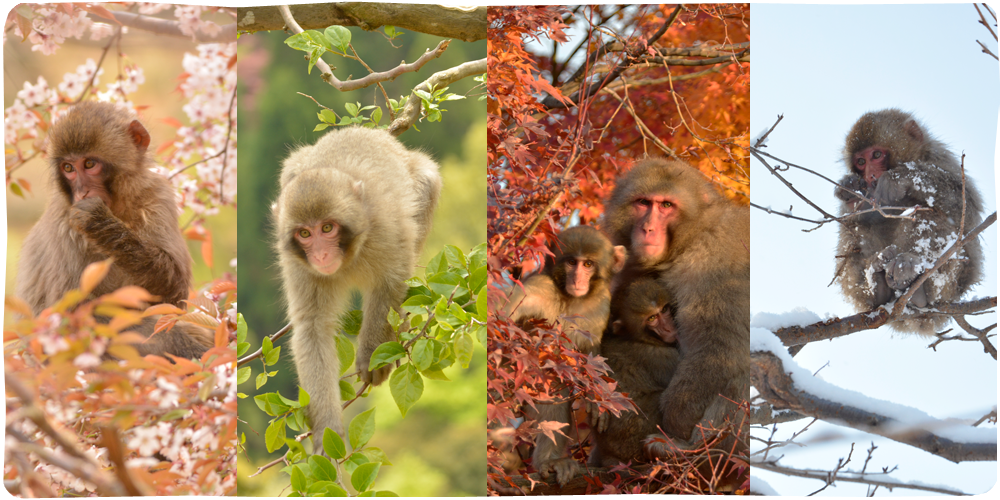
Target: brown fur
{"x": 643, "y": 365}
{"x": 139, "y": 229}
{"x": 383, "y": 197}
{"x": 706, "y": 271}
{"x": 583, "y": 319}
{"x": 921, "y": 171}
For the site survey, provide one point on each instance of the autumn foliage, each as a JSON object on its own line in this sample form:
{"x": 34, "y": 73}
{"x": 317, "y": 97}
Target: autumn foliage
{"x": 575, "y": 95}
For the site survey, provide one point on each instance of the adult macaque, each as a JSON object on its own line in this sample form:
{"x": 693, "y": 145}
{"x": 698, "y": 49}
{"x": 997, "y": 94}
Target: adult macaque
{"x": 573, "y": 291}
{"x": 642, "y": 352}
{"x": 895, "y": 162}
{"x": 109, "y": 204}
{"x": 696, "y": 244}
{"x": 353, "y": 212}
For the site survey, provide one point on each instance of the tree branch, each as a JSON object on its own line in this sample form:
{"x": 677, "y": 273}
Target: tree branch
{"x": 411, "y": 112}
{"x": 461, "y": 23}
{"x": 227, "y": 33}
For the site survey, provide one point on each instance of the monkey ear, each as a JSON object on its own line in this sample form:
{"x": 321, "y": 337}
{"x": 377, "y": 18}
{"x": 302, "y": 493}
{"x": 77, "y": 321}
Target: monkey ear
{"x": 912, "y": 129}
{"x": 139, "y": 135}
{"x": 359, "y": 188}
{"x": 620, "y": 255}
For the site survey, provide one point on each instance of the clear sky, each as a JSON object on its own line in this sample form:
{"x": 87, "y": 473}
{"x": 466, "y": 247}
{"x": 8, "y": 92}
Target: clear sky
{"x": 822, "y": 67}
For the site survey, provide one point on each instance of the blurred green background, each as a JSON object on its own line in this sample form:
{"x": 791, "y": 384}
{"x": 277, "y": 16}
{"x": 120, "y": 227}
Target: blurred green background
{"x": 439, "y": 449}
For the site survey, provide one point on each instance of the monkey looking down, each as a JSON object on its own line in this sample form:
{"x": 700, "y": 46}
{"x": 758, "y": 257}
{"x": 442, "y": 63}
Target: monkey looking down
{"x": 353, "y": 212}
{"x": 641, "y": 350}
{"x": 695, "y": 244}
{"x": 107, "y": 203}
{"x": 894, "y": 161}
{"x": 573, "y": 291}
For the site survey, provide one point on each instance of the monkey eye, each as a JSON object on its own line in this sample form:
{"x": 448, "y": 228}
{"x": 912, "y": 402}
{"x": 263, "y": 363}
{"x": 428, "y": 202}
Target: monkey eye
{"x": 877, "y": 154}
{"x": 304, "y": 233}
{"x": 327, "y": 227}
{"x": 644, "y": 202}
{"x": 651, "y": 319}
{"x": 588, "y": 263}
{"x": 89, "y": 164}
{"x": 67, "y": 167}
{"x": 861, "y": 162}
{"x": 667, "y": 204}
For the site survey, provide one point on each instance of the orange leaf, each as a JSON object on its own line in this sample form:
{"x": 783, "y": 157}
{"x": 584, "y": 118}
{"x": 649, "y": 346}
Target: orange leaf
{"x": 124, "y": 319}
{"x": 164, "y": 323}
{"x": 221, "y": 335}
{"x": 163, "y": 147}
{"x": 129, "y": 296}
{"x": 24, "y": 183}
{"x": 9, "y": 335}
{"x": 99, "y": 11}
{"x": 199, "y": 318}
{"x": 173, "y": 122}
{"x": 93, "y": 274}
{"x": 222, "y": 287}
{"x": 195, "y": 233}
{"x": 162, "y": 309}
{"x": 17, "y": 305}
{"x": 206, "y": 249}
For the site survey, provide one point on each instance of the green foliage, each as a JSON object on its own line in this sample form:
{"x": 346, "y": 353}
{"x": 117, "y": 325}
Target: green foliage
{"x": 444, "y": 311}
{"x": 431, "y": 102}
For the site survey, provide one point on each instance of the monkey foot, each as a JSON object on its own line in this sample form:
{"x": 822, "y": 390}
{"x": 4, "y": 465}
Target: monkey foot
{"x": 565, "y": 469}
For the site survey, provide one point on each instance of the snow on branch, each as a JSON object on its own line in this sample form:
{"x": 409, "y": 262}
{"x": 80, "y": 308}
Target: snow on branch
{"x": 785, "y": 385}
{"x": 462, "y": 23}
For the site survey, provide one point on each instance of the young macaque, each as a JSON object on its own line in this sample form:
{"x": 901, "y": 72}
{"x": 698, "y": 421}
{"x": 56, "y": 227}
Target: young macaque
{"x": 353, "y": 212}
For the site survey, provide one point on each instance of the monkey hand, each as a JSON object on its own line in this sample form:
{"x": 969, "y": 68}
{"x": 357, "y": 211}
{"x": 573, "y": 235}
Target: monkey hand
{"x": 86, "y": 213}
{"x": 902, "y": 270}
{"x": 597, "y": 419}
{"x": 848, "y": 187}
{"x": 565, "y": 469}
{"x": 892, "y": 188}
{"x": 367, "y": 376}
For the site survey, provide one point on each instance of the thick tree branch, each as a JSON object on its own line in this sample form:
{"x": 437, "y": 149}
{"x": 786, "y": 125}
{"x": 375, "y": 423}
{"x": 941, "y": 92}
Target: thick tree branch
{"x": 227, "y": 33}
{"x": 461, "y": 23}
{"x": 411, "y": 112}
{"x": 775, "y": 384}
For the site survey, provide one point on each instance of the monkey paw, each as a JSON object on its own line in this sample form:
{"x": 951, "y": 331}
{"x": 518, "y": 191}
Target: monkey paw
{"x": 850, "y": 183}
{"x": 891, "y": 189}
{"x": 902, "y": 270}
{"x": 565, "y": 469}
{"x": 597, "y": 419}
{"x": 372, "y": 377}
{"x": 86, "y": 211}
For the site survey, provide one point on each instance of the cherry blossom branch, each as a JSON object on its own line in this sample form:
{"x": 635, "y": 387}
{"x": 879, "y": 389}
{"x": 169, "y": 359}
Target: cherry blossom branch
{"x": 226, "y": 33}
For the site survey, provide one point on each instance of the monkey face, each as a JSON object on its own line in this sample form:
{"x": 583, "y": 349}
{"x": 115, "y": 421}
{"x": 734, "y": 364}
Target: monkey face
{"x": 321, "y": 244}
{"x": 651, "y": 216}
{"x": 661, "y": 324}
{"x": 85, "y": 178}
{"x": 870, "y": 163}
{"x": 579, "y": 270}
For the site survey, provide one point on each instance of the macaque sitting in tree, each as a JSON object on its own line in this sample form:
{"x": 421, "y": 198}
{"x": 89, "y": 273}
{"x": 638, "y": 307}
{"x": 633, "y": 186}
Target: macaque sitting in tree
{"x": 572, "y": 291}
{"x": 641, "y": 350}
{"x": 895, "y": 162}
{"x": 107, "y": 203}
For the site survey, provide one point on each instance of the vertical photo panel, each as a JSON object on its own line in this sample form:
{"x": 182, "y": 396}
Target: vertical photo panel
{"x": 619, "y": 249}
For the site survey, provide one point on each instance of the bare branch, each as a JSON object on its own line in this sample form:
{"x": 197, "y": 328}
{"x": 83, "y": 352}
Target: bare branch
{"x": 461, "y": 23}
{"x": 848, "y": 477}
{"x": 274, "y": 338}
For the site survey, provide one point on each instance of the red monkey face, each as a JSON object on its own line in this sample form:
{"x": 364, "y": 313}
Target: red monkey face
{"x": 321, "y": 244}
{"x": 870, "y": 163}
{"x": 87, "y": 178}
{"x": 651, "y": 215}
{"x": 578, "y": 274}
{"x": 662, "y": 325}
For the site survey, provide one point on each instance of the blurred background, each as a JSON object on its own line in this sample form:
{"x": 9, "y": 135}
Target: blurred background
{"x": 439, "y": 449}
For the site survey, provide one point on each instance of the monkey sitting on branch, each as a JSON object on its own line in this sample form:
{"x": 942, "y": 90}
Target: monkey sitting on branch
{"x": 571, "y": 291}
{"x": 353, "y": 212}
{"x": 894, "y": 161}
{"x": 108, "y": 203}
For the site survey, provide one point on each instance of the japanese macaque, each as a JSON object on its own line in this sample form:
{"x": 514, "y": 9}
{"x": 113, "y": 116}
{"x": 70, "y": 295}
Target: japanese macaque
{"x": 895, "y": 162}
{"x": 353, "y": 212}
{"x": 642, "y": 352}
{"x": 108, "y": 203}
{"x": 573, "y": 291}
{"x": 695, "y": 243}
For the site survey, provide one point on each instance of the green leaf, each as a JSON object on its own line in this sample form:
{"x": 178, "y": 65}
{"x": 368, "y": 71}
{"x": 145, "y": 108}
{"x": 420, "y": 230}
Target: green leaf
{"x": 298, "y": 479}
{"x": 328, "y": 116}
{"x": 386, "y": 353}
{"x": 437, "y": 264}
{"x": 345, "y": 353}
{"x": 346, "y": 390}
{"x": 362, "y": 428}
{"x": 481, "y": 303}
{"x": 241, "y": 328}
{"x": 333, "y": 444}
{"x": 261, "y": 380}
{"x": 463, "y": 350}
{"x": 377, "y": 115}
{"x": 481, "y": 334}
{"x": 406, "y": 386}
{"x": 296, "y": 451}
{"x": 339, "y": 37}
{"x": 424, "y": 95}
{"x": 364, "y": 476}
{"x": 322, "y": 468}
{"x": 266, "y": 346}
{"x": 417, "y": 304}
{"x": 303, "y": 397}
{"x": 444, "y": 283}
{"x": 353, "y": 461}
{"x": 274, "y": 436}
{"x": 242, "y": 375}
{"x": 321, "y": 126}
{"x": 175, "y": 414}
{"x": 477, "y": 278}
{"x": 385, "y": 493}
{"x": 390, "y": 31}
{"x": 455, "y": 256}
{"x": 477, "y": 256}
{"x": 271, "y": 358}
{"x": 352, "y": 109}
{"x": 376, "y": 454}
{"x": 435, "y": 374}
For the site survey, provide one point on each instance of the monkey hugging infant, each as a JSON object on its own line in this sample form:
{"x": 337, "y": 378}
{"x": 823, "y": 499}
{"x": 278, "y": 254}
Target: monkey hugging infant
{"x": 671, "y": 318}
